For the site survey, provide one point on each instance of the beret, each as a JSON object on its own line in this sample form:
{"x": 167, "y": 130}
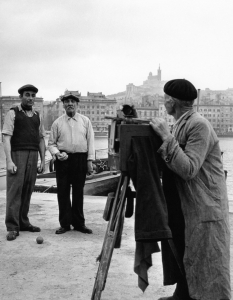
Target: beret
{"x": 181, "y": 89}
{"x": 27, "y": 87}
{"x": 69, "y": 96}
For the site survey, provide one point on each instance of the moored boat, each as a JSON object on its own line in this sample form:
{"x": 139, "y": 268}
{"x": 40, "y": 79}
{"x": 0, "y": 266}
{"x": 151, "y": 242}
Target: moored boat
{"x": 3, "y": 174}
{"x": 99, "y": 184}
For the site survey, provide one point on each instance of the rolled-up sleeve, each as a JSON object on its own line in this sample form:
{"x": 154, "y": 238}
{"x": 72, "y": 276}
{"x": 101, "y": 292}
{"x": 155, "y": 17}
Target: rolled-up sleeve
{"x": 52, "y": 142}
{"x": 90, "y": 142}
{"x": 8, "y": 126}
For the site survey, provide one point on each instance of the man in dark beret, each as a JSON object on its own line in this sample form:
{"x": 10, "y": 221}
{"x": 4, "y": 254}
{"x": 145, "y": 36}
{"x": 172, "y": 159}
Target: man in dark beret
{"x": 23, "y": 137}
{"x": 195, "y": 189}
{"x": 71, "y": 141}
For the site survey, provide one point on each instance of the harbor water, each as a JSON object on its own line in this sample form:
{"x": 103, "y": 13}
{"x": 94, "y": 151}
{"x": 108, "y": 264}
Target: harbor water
{"x": 226, "y": 145}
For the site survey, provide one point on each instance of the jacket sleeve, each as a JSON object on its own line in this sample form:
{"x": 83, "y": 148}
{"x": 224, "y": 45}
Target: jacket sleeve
{"x": 188, "y": 161}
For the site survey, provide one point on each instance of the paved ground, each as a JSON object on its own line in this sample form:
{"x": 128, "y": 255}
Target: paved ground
{"x": 64, "y": 266}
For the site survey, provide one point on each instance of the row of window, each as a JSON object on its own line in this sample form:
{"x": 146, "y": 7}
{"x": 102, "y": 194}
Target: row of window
{"x": 218, "y": 110}
{"x": 147, "y": 113}
{"x": 93, "y": 106}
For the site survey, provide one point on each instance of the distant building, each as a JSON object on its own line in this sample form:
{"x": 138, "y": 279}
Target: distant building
{"x": 153, "y": 85}
{"x": 95, "y": 106}
{"x": 48, "y": 113}
{"x": 219, "y": 115}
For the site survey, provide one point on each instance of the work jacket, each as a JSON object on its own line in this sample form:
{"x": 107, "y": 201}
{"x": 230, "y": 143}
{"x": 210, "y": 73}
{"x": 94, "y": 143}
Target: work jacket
{"x": 194, "y": 156}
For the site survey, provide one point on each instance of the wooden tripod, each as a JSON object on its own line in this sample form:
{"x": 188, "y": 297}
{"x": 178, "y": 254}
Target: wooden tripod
{"x": 113, "y": 234}
{"x": 115, "y": 225}
{"x": 113, "y": 231}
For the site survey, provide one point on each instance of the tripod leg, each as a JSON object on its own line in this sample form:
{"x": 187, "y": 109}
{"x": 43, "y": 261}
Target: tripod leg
{"x": 109, "y": 241}
{"x": 106, "y": 238}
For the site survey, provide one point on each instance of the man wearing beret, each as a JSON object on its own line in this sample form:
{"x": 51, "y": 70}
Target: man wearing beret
{"x": 72, "y": 142}
{"x": 23, "y": 137}
{"x": 195, "y": 190}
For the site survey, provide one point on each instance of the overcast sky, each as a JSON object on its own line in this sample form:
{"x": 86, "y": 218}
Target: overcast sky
{"x": 102, "y": 45}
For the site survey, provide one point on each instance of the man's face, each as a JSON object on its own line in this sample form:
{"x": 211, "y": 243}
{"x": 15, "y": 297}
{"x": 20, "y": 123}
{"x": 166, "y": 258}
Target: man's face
{"x": 169, "y": 104}
{"x": 70, "y": 106}
{"x": 28, "y": 98}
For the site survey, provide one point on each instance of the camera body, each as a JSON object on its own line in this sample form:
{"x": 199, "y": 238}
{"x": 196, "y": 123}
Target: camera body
{"x": 120, "y": 133}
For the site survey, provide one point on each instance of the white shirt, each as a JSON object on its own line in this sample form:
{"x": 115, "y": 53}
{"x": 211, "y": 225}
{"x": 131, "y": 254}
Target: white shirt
{"x": 72, "y": 135}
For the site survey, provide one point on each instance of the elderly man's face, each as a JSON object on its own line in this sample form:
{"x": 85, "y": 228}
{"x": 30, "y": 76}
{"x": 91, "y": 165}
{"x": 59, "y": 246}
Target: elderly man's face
{"x": 169, "y": 104}
{"x": 70, "y": 106}
{"x": 28, "y": 99}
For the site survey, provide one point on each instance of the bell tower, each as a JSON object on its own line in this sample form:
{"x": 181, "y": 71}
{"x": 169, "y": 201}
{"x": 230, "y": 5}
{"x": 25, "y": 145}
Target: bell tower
{"x": 159, "y": 73}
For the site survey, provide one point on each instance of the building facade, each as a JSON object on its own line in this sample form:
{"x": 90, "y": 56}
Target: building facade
{"x": 95, "y": 106}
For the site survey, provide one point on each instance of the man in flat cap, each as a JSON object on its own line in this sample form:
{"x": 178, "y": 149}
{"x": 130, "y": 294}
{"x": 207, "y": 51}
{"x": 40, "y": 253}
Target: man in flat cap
{"x": 195, "y": 189}
{"x": 23, "y": 137}
{"x": 72, "y": 142}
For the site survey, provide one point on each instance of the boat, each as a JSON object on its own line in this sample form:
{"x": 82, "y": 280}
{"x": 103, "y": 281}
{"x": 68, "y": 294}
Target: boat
{"x": 99, "y": 184}
{"x": 3, "y": 173}
{"x": 101, "y": 133}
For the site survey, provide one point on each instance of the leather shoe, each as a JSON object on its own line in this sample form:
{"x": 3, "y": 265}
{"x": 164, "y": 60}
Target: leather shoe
{"x": 11, "y": 235}
{"x": 31, "y": 228}
{"x": 62, "y": 230}
{"x": 83, "y": 229}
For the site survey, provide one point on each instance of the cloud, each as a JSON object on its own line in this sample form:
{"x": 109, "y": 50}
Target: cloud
{"x": 103, "y": 45}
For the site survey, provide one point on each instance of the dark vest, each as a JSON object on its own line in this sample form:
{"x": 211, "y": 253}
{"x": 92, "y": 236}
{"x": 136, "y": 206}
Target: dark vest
{"x": 26, "y": 131}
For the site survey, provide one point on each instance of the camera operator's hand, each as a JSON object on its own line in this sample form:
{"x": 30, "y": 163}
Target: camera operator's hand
{"x": 161, "y": 127}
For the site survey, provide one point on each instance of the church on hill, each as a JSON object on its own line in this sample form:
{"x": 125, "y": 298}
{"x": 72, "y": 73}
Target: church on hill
{"x": 152, "y": 86}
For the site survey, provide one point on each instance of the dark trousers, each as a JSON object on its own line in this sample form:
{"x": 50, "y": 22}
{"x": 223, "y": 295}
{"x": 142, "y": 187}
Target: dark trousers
{"x": 71, "y": 172}
{"x": 19, "y": 189}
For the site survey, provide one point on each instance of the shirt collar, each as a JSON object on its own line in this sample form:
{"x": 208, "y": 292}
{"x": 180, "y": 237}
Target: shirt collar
{"x": 21, "y": 109}
{"x": 175, "y": 125}
{"x": 181, "y": 118}
{"x": 75, "y": 117}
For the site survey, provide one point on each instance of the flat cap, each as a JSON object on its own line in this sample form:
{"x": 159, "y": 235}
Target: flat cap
{"x": 27, "y": 87}
{"x": 181, "y": 89}
{"x": 69, "y": 96}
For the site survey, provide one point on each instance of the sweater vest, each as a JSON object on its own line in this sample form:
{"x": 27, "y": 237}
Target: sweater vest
{"x": 26, "y": 131}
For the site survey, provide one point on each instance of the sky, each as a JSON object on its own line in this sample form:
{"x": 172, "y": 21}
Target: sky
{"x": 103, "y": 45}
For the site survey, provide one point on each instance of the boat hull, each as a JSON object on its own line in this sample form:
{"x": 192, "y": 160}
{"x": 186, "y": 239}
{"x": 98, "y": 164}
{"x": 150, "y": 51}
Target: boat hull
{"x": 95, "y": 185}
{"x": 3, "y": 175}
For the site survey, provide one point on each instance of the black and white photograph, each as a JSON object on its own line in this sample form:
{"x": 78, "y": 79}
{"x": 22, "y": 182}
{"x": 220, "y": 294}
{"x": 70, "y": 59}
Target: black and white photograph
{"x": 116, "y": 150}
